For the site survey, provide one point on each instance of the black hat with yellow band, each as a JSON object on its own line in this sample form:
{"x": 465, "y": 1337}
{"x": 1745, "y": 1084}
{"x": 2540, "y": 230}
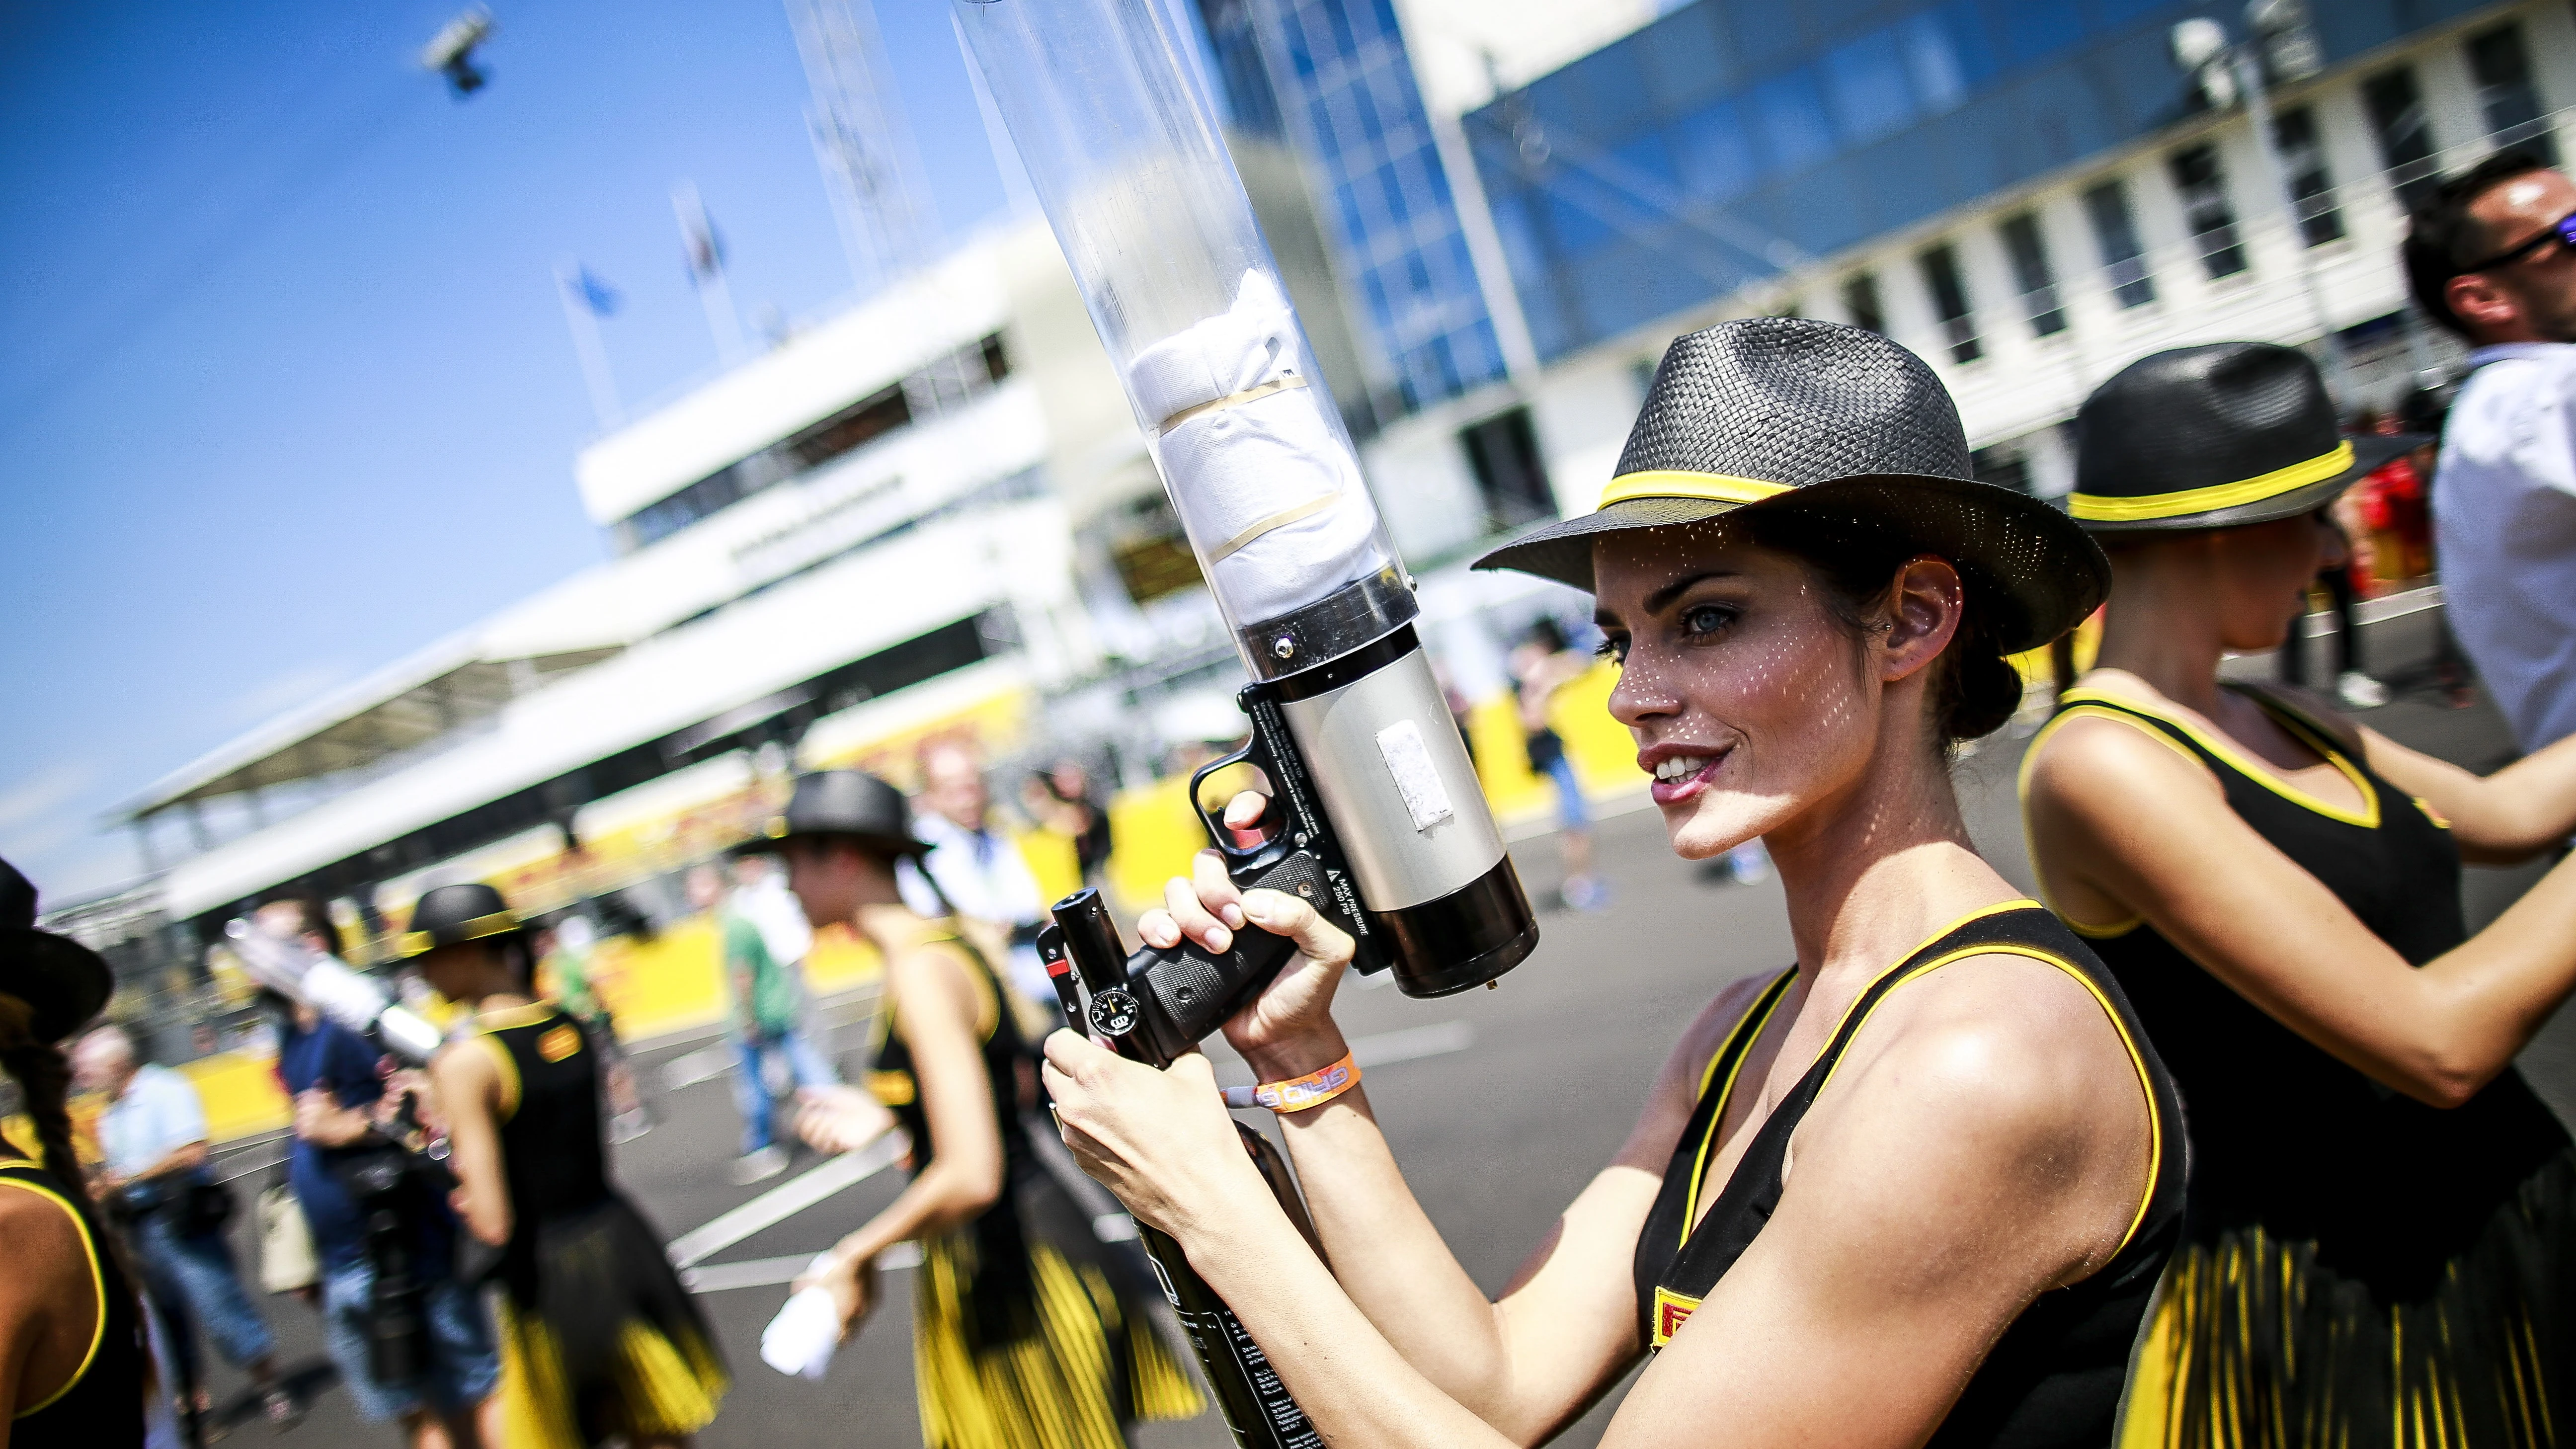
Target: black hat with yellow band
{"x": 1854, "y": 437}
{"x": 2220, "y": 436}
{"x": 59, "y": 982}
{"x": 455, "y": 913}
{"x": 845, "y": 805}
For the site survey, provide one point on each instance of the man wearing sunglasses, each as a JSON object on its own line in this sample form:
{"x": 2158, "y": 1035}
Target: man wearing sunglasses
{"x": 2492, "y": 256}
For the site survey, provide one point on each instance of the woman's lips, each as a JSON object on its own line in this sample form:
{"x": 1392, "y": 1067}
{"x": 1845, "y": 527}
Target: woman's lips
{"x": 1674, "y": 789}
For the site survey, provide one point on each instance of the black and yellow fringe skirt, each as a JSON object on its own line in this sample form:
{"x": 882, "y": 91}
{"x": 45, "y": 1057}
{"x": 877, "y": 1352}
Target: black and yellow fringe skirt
{"x": 1028, "y": 1333}
{"x": 2417, "y": 1335}
{"x": 599, "y": 1341}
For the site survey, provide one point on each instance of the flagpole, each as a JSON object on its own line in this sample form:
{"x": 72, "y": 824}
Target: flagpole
{"x": 585, "y": 341}
{"x": 706, "y": 268}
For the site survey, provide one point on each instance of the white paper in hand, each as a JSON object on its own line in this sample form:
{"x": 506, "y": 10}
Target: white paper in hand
{"x": 804, "y": 1335}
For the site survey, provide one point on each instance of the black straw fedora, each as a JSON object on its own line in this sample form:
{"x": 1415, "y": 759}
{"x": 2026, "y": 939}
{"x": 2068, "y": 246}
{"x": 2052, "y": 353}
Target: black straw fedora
{"x": 451, "y": 914}
{"x": 63, "y": 982}
{"x": 2215, "y": 437}
{"x": 1851, "y": 433}
{"x": 846, "y": 805}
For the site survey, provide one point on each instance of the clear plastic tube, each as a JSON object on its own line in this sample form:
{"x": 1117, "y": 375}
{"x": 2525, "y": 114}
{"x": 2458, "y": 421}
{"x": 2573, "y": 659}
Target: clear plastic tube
{"x": 1123, "y": 151}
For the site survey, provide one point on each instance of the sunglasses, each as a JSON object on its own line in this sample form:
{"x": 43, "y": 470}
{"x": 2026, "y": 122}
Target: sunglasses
{"x": 2562, "y": 231}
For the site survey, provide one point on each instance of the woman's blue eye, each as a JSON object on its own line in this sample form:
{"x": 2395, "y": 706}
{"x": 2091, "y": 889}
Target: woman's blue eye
{"x": 1705, "y": 619}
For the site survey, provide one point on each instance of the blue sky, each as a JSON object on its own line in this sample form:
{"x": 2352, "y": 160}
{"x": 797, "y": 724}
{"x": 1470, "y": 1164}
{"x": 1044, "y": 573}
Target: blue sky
{"x": 287, "y": 390}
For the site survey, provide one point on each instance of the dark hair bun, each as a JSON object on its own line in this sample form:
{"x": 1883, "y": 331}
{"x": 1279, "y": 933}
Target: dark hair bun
{"x": 1980, "y": 690}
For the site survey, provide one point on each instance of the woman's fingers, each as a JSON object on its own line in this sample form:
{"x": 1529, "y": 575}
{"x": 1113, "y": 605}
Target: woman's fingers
{"x": 1282, "y": 914}
{"x": 1244, "y": 810}
{"x": 1181, "y": 897}
{"x": 1215, "y": 888}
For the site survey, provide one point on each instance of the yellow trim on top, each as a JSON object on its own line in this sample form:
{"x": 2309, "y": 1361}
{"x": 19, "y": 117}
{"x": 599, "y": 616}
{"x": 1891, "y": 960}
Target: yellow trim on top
{"x": 2095, "y": 508}
{"x": 2367, "y": 817}
{"x": 98, "y": 1285}
{"x": 1758, "y": 1016}
{"x": 2021, "y": 792}
{"x": 1676, "y": 483}
{"x": 1699, "y": 1167}
{"x": 509, "y": 1073}
{"x": 2146, "y": 1084}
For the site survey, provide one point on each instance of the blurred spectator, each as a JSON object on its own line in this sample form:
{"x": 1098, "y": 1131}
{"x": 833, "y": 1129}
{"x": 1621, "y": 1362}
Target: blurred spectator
{"x": 1542, "y": 664}
{"x": 763, "y": 961}
{"x": 2344, "y": 583}
{"x": 1064, "y": 802}
{"x": 155, "y": 1182}
{"x": 2491, "y": 256}
{"x": 565, "y": 954}
{"x": 2423, "y": 411}
{"x": 336, "y": 1081}
{"x": 980, "y": 873}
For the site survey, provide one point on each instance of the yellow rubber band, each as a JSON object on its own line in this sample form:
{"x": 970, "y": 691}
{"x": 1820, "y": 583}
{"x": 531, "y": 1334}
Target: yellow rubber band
{"x": 1230, "y": 400}
{"x": 2094, "y": 508}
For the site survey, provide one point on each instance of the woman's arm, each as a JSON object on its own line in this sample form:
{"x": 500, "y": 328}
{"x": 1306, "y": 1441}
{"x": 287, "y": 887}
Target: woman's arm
{"x": 1943, "y": 1183}
{"x": 1566, "y": 1324}
{"x": 939, "y": 1003}
{"x": 2116, "y": 815}
{"x": 469, "y": 1096}
{"x": 43, "y": 1333}
{"x": 2501, "y": 819}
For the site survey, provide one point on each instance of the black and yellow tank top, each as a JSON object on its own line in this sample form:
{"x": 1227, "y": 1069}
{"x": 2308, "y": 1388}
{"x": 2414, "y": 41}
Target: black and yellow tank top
{"x": 550, "y": 1120}
{"x": 2054, "y": 1378}
{"x": 2286, "y": 1136}
{"x": 890, "y": 1074}
{"x": 101, "y": 1407}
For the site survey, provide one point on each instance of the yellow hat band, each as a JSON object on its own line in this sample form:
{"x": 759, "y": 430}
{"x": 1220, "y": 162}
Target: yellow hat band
{"x": 2094, "y": 508}
{"x": 1673, "y": 483}
{"x": 415, "y": 943}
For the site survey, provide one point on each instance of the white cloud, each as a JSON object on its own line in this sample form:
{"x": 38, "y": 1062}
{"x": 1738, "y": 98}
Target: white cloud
{"x": 46, "y": 791}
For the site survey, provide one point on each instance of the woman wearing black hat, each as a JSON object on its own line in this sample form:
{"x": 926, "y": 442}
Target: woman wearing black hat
{"x": 598, "y": 1338}
{"x": 74, "y": 1369}
{"x": 1915, "y": 1188}
{"x": 1028, "y": 1332}
{"x": 2380, "y": 1247}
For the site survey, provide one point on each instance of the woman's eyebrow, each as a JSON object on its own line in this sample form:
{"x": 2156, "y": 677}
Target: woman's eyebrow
{"x": 1656, "y": 601}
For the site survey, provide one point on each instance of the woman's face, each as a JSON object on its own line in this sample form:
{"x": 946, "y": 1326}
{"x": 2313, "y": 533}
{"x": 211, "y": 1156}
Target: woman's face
{"x": 2264, "y": 572}
{"x": 1749, "y": 701}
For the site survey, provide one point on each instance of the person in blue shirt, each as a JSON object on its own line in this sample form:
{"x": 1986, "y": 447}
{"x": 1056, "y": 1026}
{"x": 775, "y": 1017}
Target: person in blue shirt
{"x": 336, "y": 1079}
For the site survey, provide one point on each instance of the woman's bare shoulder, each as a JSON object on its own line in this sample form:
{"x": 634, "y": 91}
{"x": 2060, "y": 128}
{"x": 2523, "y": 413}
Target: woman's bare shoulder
{"x": 1677, "y": 1085}
{"x": 44, "y": 1241}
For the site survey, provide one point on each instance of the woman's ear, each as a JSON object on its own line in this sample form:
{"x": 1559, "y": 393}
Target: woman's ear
{"x": 1924, "y": 607}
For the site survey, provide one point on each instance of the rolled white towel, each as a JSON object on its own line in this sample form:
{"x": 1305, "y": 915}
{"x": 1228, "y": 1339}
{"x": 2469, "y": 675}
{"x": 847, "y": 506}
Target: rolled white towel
{"x": 1237, "y": 471}
{"x": 803, "y": 1337}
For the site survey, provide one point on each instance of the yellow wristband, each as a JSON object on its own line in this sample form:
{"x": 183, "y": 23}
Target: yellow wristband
{"x": 1311, "y": 1090}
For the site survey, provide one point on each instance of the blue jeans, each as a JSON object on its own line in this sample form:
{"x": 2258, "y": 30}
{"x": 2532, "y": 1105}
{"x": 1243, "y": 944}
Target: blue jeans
{"x": 195, "y": 1272}
{"x": 751, "y": 1095}
{"x": 1571, "y": 811}
{"x": 464, "y": 1367}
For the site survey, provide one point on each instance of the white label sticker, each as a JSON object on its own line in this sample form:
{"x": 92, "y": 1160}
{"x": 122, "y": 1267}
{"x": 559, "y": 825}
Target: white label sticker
{"x": 1409, "y": 761}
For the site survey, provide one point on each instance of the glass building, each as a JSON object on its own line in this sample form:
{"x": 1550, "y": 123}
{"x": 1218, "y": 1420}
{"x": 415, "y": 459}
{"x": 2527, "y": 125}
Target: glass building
{"x": 1333, "y": 78}
{"x": 1732, "y": 139}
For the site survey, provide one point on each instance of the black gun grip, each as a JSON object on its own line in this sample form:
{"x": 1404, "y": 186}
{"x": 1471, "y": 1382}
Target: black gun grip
{"x": 1193, "y": 992}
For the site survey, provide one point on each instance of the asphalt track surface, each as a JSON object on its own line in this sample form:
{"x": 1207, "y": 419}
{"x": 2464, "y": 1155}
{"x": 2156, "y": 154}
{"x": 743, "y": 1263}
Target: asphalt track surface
{"x": 1501, "y": 1104}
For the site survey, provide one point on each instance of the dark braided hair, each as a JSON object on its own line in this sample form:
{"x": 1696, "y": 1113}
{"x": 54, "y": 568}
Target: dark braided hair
{"x": 44, "y": 1079}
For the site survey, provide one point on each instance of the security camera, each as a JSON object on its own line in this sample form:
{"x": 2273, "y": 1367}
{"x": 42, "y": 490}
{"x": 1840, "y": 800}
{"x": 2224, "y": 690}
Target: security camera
{"x": 451, "y": 51}
{"x": 2196, "y": 42}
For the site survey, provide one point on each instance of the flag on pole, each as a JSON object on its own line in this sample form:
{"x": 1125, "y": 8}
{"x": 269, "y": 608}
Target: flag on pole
{"x": 598, "y": 296}
{"x": 698, "y": 239}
